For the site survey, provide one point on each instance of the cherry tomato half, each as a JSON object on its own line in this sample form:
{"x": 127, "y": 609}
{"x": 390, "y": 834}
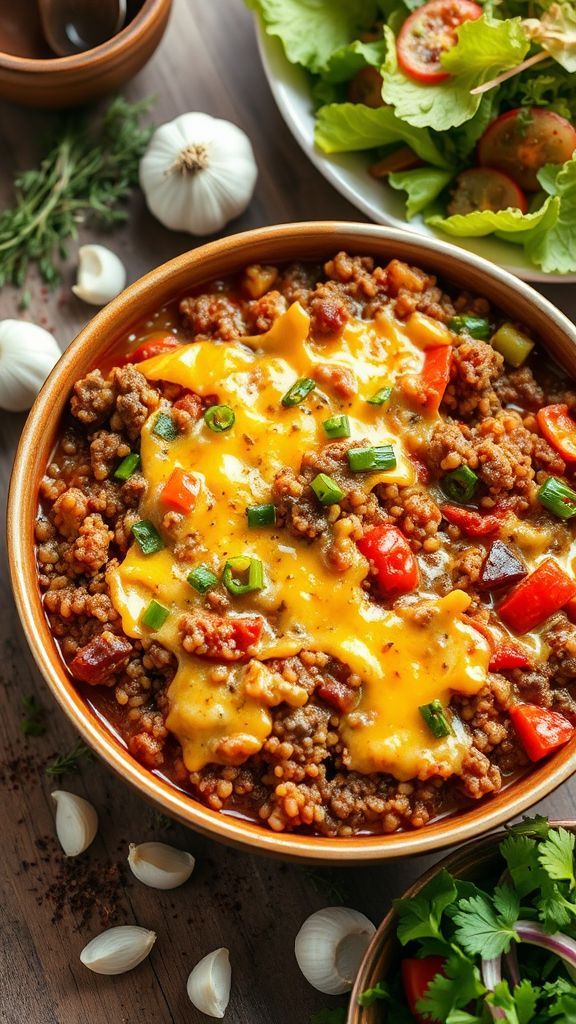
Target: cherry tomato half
{"x": 482, "y": 188}
{"x": 366, "y": 88}
{"x": 521, "y": 141}
{"x": 428, "y": 33}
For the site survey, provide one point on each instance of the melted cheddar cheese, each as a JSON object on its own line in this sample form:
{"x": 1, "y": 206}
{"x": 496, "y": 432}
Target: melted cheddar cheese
{"x": 403, "y": 658}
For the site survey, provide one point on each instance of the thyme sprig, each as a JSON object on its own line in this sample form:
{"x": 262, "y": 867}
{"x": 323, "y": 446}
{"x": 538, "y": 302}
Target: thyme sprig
{"x": 69, "y": 763}
{"x": 86, "y": 176}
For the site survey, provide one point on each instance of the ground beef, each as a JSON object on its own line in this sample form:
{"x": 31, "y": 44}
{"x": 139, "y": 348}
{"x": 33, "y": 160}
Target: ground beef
{"x": 135, "y": 399}
{"x": 475, "y": 368}
{"x": 213, "y": 316}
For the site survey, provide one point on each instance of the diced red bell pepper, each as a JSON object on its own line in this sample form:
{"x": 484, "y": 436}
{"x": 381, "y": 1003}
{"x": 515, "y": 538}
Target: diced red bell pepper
{"x": 191, "y": 403}
{"x": 104, "y": 655}
{"x": 537, "y": 597}
{"x": 472, "y": 522}
{"x": 396, "y": 566}
{"x": 539, "y": 730}
{"x": 180, "y": 491}
{"x": 416, "y": 976}
{"x": 559, "y": 429}
{"x": 155, "y": 345}
{"x": 337, "y": 694}
{"x": 507, "y": 656}
{"x": 436, "y": 374}
{"x": 246, "y": 631}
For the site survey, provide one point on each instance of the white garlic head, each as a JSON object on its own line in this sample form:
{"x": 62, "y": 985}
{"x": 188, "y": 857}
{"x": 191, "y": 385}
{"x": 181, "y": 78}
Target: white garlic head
{"x": 198, "y": 173}
{"x": 330, "y": 946}
{"x": 76, "y": 822}
{"x": 101, "y": 275}
{"x": 209, "y": 983}
{"x": 118, "y": 950}
{"x": 160, "y": 866}
{"x": 27, "y": 355}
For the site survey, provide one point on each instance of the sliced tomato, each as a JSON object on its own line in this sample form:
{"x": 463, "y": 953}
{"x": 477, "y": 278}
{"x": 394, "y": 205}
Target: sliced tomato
{"x": 521, "y": 141}
{"x": 366, "y": 88}
{"x": 483, "y": 188}
{"x": 436, "y": 375}
{"x": 559, "y": 429}
{"x": 155, "y": 345}
{"x": 428, "y": 33}
{"x": 180, "y": 491}
{"x": 539, "y": 730}
{"x": 396, "y": 567}
{"x": 537, "y": 597}
{"x": 416, "y": 976}
{"x": 507, "y": 656}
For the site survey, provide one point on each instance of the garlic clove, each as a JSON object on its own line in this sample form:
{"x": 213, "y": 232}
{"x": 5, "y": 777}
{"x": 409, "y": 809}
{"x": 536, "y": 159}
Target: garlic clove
{"x": 76, "y": 822}
{"x": 118, "y": 950}
{"x": 27, "y": 355}
{"x": 209, "y": 982}
{"x": 330, "y": 946}
{"x": 160, "y": 866}
{"x": 101, "y": 275}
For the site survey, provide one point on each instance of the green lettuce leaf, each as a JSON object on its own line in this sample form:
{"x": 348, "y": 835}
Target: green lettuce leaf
{"x": 347, "y": 60}
{"x": 486, "y": 222}
{"x": 554, "y": 248}
{"x": 347, "y": 127}
{"x": 311, "y": 30}
{"x": 423, "y": 185}
{"x": 485, "y": 47}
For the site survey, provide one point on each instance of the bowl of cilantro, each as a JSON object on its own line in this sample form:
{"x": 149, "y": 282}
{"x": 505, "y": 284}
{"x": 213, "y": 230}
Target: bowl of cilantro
{"x": 488, "y": 934}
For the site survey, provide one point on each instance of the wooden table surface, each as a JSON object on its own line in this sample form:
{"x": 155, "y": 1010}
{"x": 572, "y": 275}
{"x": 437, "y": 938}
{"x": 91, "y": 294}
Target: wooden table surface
{"x": 208, "y": 61}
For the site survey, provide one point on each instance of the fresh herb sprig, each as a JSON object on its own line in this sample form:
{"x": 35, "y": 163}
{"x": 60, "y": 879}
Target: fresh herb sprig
{"x": 87, "y": 176}
{"x": 33, "y": 722}
{"x": 69, "y": 763}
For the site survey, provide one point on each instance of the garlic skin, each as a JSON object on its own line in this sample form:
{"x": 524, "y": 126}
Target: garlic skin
{"x": 101, "y": 275}
{"x": 27, "y": 355}
{"x": 198, "y": 173}
{"x": 118, "y": 950}
{"x": 76, "y": 822}
{"x": 330, "y": 946}
{"x": 208, "y": 984}
{"x": 160, "y": 866}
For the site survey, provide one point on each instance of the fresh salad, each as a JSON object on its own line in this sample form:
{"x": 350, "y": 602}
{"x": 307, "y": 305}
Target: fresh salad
{"x": 468, "y": 108}
{"x": 504, "y": 952}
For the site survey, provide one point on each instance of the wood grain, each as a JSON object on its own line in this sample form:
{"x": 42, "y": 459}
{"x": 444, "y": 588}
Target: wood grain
{"x": 208, "y": 61}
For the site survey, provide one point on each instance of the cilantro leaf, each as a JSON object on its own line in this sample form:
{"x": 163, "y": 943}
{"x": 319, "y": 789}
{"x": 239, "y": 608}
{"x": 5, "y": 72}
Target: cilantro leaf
{"x": 507, "y": 903}
{"x": 556, "y": 855}
{"x": 538, "y": 826}
{"x": 526, "y": 995}
{"x": 561, "y": 996}
{"x": 553, "y": 909}
{"x": 420, "y": 916}
{"x": 480, "y": 930}
{"x": 511, "y": 222}
{"x": 372, "y": 995}
{"x": 348, "y": 127}
{"x": 454, "y": 989}
{"x": 423, "y": 185}
{"x": 462, "y": 1017}
{"x": 521, "y": 856}
{"x": 554, "y": 248}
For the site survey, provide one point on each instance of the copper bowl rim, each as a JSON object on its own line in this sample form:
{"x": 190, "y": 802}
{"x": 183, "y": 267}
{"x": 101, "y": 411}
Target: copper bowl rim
{"x": 457, "y": 862}
{"x": 128, "y": 38}
{"x": 317, "y": 240}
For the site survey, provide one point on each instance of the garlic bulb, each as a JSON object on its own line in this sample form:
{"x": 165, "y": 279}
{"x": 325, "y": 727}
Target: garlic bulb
{"x": 118, "y": 949}
{"x": 198, "y": 173}
{"x": 160, "y": 866}
{"x": 76, "y": 822}
{"x": 101, "y": 275}
{"x": 27, "y": 354}
{"x": 209, "y": 983}
{"x": 329, "y": 948}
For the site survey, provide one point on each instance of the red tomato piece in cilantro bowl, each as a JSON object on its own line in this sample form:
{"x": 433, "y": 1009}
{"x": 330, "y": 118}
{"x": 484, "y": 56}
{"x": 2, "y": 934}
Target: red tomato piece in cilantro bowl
{"x": 522, "y": 141}
{"x": 428, "y": 33}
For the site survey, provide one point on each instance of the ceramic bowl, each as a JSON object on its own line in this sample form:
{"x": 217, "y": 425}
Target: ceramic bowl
{"x": 73, "y": 81}
{"x": 476, "y": 862}
{"x": 94, "y": 345}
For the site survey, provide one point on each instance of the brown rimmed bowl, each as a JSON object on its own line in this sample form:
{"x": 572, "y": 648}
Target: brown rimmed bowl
{"x": 95, "y": 345}
{"x": 475, "y": 862}
{"x": 80, "y": 78}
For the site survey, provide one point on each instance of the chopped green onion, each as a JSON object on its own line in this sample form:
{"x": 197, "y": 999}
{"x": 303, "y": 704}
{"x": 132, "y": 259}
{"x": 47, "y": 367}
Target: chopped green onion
{"x": 326, "y": 489}
{"x": 475, "y": 326}
{"x": 362, "y": 459}
{"x": 219, "y": 418}
{"x": 147, "y": 537}
{"x": 261, "y": 515}
{"x": 512, "y": 344}
{"x": 165, "y": 427}
{"x": 460, "y": 484}
{"x": 202, "y": 579}
{"x": 243, "y": 575}
{"x": 558, "y": 498}
{"x": 298, "y": 392}
{"x": 433, "y": 715}
{"x": 155, "y": 615}
{"x": 337, "y": 426}
{"x": 380, "y": 397}
{"x": 127, "y": 467}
